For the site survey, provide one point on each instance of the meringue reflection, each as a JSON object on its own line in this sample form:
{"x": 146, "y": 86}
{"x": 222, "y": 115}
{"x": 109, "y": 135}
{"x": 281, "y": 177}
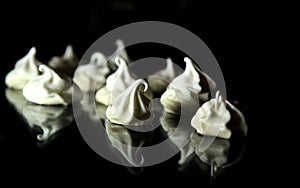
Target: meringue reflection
{"x": 169, "y": 123}
{"x": 222, "y": 153}
{"x": 50, "y": 119}
{"x": 16, "y": 99}
{"x": 128, "y": 143}
{"x": 88, "y": 102}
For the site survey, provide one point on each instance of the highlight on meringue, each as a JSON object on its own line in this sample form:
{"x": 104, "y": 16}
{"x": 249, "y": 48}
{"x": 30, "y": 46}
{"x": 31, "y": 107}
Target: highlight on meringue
{"x": 51, "y": 89}
{"x": 24, "y": 70}
{"x": 187, "y": 91}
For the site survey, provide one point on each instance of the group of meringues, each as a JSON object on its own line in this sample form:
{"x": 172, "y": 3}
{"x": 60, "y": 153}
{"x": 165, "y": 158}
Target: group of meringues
{"x": 62, "y": 80}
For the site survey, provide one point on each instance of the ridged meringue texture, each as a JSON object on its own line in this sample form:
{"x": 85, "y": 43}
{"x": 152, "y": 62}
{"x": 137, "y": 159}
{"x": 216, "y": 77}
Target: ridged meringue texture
{"x": 65, "y": 64}
{"x": 25, "y": 70}
{"x": 213, "y": 118}
{"x": 131, "y": 107}
{"x": 187, "y": 91}
{"x": 92, "y": 76}
{"x": 51, "y": 119}
{"x": 116, "y": 83}
{"x": 51, "y": 89}
{"x": 159, "y": 81}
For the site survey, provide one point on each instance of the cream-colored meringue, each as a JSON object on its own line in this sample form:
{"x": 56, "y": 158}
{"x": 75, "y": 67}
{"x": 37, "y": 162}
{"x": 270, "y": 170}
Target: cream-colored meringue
{"x": 126, "y": 142}
{"x": 186, "y": 90}
{"x": 65, "y": 64}
{"x": 211, "y": 118}
{"x": 115, "y": 83}
{"x": 25, "y": 69}
{"x": 120, "y": 52}
{"x": 51, "y": 119}
{"x": 131, "y": 107}
{"x": 159, "y": 81}
{"x": 51, "y": 89}
{"x": 92, "y": 76}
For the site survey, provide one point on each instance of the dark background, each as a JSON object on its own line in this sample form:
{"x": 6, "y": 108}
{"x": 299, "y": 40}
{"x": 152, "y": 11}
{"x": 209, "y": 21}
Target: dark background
{"x": 230, "y": 33}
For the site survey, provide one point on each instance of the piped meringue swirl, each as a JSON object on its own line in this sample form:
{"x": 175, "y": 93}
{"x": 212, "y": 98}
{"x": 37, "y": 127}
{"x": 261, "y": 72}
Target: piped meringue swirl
{"x": 131, "y": 107}
{"x": 51, "y": 89}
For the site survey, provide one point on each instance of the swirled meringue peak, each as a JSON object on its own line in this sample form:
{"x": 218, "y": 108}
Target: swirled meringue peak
{"x": 51, "y": 89}
{"x": 131, "y": 107}
{"x": 187, "y": 91}
{"x": 159, "y": 81}
{"x": 212, "y": 118}
{"x": 25, "y": 70}
{"x": 65, "y": 64}
{"x": 115, "y": 83}
{"x": 92, "y": 76}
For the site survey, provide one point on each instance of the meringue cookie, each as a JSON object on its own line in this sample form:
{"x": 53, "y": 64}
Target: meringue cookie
{"x": 51, "y": 119}
{"x": 212, "y": 118}
{"x": 115, "y": 83}
{"x": 131, "y": 107}
{"x": 159, "y": 81}
{"x": 92, "y": 76}
{"x": 127, "y": 142}
{"x": 65, "y": 64}
{"x": 120, "y": 52}
{"x": 188, "y": 90}
{"x": 51, "y": 89}
{"x": 25, "y": 69}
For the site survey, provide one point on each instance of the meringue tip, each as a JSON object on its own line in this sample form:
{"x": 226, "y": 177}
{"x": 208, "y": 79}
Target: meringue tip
{"x": 146, "y": 85}
{"x": 187, "y": 60}
{"x": 68, "y": 51}
{"x": 32, "y": 51}
{"x": 120, "y": 43}
{"x": 42, "y": 68}
{"x": 69, "y": 48}
{"x": 119, "y": 61}
{"x": 141, "y": 81}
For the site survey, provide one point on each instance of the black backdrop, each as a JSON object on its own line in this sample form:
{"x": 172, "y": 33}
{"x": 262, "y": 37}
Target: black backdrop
{"x": 229, "y": 33}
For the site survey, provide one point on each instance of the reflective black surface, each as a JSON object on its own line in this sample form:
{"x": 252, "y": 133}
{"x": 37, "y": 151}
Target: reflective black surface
{"x": 63, "y": 156}
{"x": 47, "y": 137}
